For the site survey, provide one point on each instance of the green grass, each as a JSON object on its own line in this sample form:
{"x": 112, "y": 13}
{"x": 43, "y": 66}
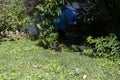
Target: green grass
{"x": 24, "y": 60}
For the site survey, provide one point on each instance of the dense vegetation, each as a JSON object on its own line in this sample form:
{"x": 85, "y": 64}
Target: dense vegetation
{"x": 12, "y": 15}
{"x": 100, "y": 21}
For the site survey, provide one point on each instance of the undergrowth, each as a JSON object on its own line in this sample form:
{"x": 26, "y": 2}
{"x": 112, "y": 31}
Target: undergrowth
{"x": 108, "y": 47}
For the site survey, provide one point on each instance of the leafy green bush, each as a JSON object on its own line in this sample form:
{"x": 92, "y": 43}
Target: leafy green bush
{"x": 108, "y": 46}
{"x": 12, "y": 14}
{"x": 48, "y": 10}
{"x": 47, "y": 36}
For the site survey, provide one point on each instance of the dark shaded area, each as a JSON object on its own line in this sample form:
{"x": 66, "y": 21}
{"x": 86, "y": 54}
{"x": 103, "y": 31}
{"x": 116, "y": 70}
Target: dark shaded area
{"x": 102, "y": 26}
{"x": 106, "y": 20}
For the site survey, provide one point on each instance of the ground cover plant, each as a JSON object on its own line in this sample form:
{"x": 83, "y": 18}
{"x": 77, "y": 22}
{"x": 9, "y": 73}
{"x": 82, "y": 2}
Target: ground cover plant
{"x": 22, "y": 59}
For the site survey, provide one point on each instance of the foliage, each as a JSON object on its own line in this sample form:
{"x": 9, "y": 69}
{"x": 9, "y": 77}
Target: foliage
{"x": 47, "y": 36}
{"x": 88, "y": 52}
{"x": 107, "y": 46}
{"x": 48, "y": 9}
{"x": 12, "y": 15}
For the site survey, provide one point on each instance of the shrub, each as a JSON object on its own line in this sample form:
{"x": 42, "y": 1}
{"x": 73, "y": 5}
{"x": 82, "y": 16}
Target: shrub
{"x": 48, "y": 10}
{"x": 12, "y": 14}
{"x": 47, "y": 36}
{"x": 108, "y": 46}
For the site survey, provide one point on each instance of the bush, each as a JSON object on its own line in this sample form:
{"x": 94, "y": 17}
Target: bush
{"x": 48, "y": 10}
{"x": 12, "y": 14}
{"x": 108, "y": 46}
{"x": 47, "y": 36}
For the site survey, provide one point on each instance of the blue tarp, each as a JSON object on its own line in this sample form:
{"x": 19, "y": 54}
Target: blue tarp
{"x": 67, "y": 18}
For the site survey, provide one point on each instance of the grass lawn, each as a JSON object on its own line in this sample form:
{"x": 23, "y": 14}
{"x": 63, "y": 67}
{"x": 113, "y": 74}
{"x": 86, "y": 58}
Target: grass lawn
{"x": 24, "y": 60}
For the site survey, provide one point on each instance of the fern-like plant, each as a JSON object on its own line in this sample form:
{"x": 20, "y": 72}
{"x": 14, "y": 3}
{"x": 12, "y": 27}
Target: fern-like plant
{"x": 107, "y": 46}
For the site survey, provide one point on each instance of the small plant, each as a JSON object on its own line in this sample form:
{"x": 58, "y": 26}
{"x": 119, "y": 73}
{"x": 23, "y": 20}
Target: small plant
{"x": 75, "y": 72}
{"x": 107, "y": 46}
{"x": 88, "y": 52}
{"x": 54, "y": 67}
